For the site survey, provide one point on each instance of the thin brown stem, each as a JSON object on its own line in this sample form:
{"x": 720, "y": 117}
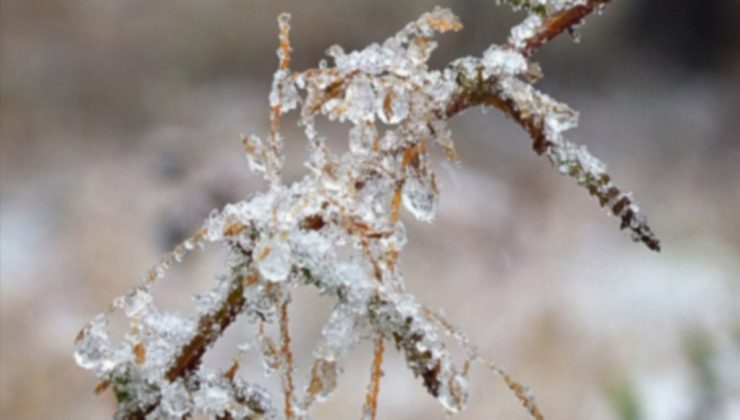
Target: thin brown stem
{"x": 287, "y": 356}
{"x": 486, "y": 93}
{"x": 210, "y": 328}
{"x": 370, "y": 409}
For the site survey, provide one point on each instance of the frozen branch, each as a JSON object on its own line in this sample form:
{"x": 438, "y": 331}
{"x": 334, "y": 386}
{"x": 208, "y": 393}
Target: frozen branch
{"x": 339, "y": 230}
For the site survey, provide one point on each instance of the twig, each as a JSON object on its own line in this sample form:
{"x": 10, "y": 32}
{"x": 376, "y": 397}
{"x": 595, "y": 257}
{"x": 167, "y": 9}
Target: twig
{"x": 394, "y": 315}
{"x": 287, "y": 356}
{"x": 370, "y": 409}
{"x": 210, "y": 328}
{"x": 488, "y": 93}
{"x": 558, "y": 23}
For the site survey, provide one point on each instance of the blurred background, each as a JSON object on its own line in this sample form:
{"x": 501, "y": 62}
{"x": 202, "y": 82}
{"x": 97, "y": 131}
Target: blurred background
{"x": 119, "y": 125}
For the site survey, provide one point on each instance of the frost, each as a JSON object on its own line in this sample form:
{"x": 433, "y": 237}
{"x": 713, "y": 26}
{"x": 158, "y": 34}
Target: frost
{"x": 500, "y": 61}
{"x": 525, "y": 30}
{"x": 288, "y": 98}
{"x": 160, "y": 333}
{"x": 136, "y": 302}
{"x": 341, "y": 332}
{"x": 209, "y": 301}
{"x": 175, "y": 402}
{"x": 560, "y": 120}
{"x": 339, "y": 229}
{"x": 323, "y": 379}
{"x": 558, "y": 5}
{"x": 212, "y": 399}
{"x": 359, "y": 102}
{"x": 542, "y": 7}
{"x": 274, "y": 259}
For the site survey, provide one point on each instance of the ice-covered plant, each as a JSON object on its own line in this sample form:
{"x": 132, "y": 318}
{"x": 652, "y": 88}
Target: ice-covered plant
{"x": 338, "y": 228}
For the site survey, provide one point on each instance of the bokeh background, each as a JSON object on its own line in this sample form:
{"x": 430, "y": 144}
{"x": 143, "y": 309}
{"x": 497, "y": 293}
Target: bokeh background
{"x": 119, "y": 124}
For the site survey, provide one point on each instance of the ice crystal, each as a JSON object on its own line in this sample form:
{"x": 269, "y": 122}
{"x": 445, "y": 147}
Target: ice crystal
{"x": 175, "y": 402}
{"x": 543, "y": 7}
{"x": 273, "y": 259}
{"x": 525, "y": 30}
{"x": 498, "y": 61}
{"x": 213, "y": 399}
{"x": 92, "y": 347}
{"x": 136, "y": 302}
{"x": 339, "y": 229}
{"x": 420, "y": 197}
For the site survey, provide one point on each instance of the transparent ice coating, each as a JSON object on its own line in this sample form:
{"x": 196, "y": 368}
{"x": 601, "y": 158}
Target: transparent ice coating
{"x": 274, "y": 259}
{"x": 500, "y": 61}
{"x": 175, "y": 403}
{"x": 338, "y": 229}
{"x": 420, "y": 197}
{"x": 525, "y": 30}
{"x": 93, "y": 349}
{"x": 542, "y": 7}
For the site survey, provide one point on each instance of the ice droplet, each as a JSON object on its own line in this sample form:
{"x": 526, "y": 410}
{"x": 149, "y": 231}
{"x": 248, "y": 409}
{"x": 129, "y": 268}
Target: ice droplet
{"x": 326, "y": 372}
{"x": 398, "y": 239}
{"x": 92, "y": 348}
{"x": 136, "y": 302}
{"x": 340, "y": 332}
{"x": 420, "y": 198}
{"x": 289, "y": 99}
{"x": 453, "y": 393}
{"x": 361, "y": 138}
{"x": 273, "y": 259}
{"x": 175, "y": 399}
{"x": 360, "y": 101}
{"x": 393, "y": 107}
